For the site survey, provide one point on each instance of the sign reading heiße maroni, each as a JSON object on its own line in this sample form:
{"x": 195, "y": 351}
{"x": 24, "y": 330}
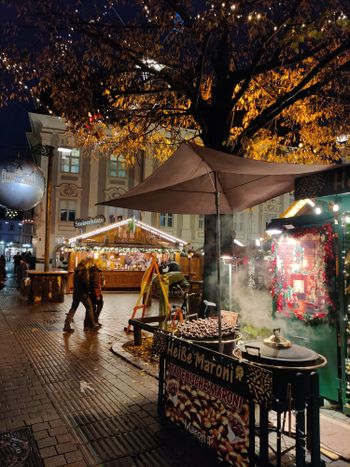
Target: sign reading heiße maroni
{"x": 207, "y": 394}
{"x": 245, "y": 379}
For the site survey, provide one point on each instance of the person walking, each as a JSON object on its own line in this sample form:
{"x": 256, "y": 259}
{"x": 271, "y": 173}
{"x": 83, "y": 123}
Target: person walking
{"x": 81, "y": 293}
{"x": 16, "y": 261}
{"x": 21, "y": 273}
{"x": 2, "y": 268}
{"x": 96, "y": 282}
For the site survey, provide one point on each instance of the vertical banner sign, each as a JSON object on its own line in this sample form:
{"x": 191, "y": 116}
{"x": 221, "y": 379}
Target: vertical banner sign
{"x": 208, "y": 394}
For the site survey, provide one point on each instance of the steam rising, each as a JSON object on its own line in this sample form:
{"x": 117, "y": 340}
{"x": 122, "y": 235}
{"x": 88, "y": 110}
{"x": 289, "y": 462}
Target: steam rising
{"x": 254, "y": 306}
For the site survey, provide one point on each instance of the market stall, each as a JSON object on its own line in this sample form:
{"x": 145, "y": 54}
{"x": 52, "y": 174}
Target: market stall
{"x": 311, "y": 278}
{"x": 124, "y": 250}
{"x": 225, "y": 402}
{"x": 209, "y": 394}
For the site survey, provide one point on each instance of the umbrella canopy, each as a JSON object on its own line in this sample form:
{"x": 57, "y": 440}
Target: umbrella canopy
{"x": 198, "y": 180}
{"x": 186, "y": 183}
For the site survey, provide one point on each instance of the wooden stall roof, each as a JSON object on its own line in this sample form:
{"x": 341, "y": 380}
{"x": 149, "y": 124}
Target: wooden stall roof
{"x": 128, "y": 232}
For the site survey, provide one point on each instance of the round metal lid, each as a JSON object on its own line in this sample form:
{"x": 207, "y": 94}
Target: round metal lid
{"x": 294, "y": 355}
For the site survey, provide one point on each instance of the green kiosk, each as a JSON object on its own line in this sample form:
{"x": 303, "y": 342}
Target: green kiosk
{"x": 311, "y": 277}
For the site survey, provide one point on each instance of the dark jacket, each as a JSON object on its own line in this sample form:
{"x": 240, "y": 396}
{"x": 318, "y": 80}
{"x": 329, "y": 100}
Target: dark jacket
{"x": 81, "y": 280}
{"x": 96, "y": 281}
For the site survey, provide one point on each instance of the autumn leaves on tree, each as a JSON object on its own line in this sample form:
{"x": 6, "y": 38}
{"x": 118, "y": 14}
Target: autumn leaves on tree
{"x": 263, "y": 79}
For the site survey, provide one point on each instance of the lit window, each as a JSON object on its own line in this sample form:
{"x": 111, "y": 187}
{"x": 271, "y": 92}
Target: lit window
{"x": 117, "y": 166}
{"x": 70, "y": 161}
{"x": 67, "y": 210}
{"x": 201, "y": 221}
{"x": 166, "y": 220}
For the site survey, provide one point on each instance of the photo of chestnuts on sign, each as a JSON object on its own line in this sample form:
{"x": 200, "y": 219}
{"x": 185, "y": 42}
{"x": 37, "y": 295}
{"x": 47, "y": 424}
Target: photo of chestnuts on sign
{"x": 172, "y": 388}
{"x": 219, "y": 426}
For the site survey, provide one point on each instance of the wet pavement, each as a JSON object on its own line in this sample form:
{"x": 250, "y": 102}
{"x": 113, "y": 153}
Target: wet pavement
{"x": 85, "y": 405}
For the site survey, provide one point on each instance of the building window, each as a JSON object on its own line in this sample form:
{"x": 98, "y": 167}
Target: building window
{"x": 67, "y": 210}
{"x": 201, "y": 221}
{"x": 117, "y": 166}
{"x": 70, "y": 161}
{"x": 166, "y": 220}
{"x": 11, "y": 227}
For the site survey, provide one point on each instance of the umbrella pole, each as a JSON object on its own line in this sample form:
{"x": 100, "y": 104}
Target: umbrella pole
{"x": 218, "y": 250}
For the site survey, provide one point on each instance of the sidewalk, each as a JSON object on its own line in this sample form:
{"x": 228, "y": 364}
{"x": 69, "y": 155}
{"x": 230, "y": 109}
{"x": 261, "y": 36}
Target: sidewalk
{"x": 85, "y": 405}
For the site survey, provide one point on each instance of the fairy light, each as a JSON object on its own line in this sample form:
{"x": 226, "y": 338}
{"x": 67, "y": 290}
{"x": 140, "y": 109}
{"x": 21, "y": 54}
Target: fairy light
{"x": 16, "y": 69}
{"x": 137, "y": 223}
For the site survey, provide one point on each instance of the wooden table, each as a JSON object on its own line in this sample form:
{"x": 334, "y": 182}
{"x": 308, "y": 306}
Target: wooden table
{"x": 46, "y": 286}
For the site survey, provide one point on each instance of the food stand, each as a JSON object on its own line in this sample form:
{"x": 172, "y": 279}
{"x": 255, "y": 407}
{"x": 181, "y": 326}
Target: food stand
{"x": 311, "y": 277}
{"x": 216, "y": 399}
{"x": 124, "y": 250}
{"x": 217, "y": 389}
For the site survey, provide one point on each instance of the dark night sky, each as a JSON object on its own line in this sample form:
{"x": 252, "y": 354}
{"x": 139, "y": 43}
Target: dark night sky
{"x": 14, "y": 123}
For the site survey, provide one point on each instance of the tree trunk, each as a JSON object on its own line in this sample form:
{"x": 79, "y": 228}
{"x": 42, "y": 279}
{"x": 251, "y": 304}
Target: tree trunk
{"x": 210, "y": 286}
{"x": 214, "y": 138}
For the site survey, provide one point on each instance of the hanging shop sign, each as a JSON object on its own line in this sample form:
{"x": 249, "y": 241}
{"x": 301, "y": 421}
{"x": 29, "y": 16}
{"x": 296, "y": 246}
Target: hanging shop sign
{"x": 207, "y": 394}
{"x": 22, "y": 185}
{"x": 333, "y": 181}
{"x": 100, "y": 219}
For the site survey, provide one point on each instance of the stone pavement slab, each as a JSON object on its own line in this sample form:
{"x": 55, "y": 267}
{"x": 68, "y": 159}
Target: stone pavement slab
{"x": 335, "y": 435}
{"x": 85, "y": 405}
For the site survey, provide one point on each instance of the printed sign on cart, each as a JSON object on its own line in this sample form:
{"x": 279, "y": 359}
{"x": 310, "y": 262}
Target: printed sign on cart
{"x": 208, "y": 393}
{"x": 214, "y": 415}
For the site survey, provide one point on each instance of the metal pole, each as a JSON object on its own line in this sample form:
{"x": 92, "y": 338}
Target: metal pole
{"x": 218, "y": 250}
{"x": 313, "y": 421}
{"x": 48, "y": 209}
{"x": 230, "y": 285}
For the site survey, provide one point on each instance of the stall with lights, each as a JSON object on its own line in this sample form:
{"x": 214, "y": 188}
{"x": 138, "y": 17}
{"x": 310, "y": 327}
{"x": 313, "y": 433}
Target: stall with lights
{"x": 311, "y": 276}
{"x": 123, "y": 250}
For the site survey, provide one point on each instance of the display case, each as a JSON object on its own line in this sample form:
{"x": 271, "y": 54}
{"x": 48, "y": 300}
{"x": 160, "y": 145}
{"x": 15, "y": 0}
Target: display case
{"x": 311, "y": 290}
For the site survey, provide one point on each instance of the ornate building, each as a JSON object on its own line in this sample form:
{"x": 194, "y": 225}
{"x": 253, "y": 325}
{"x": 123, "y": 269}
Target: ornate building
{"x": 79, "y": 183}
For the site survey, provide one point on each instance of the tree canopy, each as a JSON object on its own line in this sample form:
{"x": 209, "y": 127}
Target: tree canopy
{"x": 265, "y": 79}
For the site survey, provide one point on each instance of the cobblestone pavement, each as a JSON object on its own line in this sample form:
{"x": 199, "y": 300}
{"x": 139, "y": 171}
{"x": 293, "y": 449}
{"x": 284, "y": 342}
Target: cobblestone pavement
{"x": 85, "y": 405}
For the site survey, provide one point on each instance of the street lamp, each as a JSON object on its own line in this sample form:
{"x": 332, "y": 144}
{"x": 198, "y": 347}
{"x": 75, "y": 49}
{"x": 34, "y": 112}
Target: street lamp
{"x": 229, "y": 261}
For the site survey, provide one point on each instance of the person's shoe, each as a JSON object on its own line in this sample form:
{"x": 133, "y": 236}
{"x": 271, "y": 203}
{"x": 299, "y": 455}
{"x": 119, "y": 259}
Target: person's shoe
{"x": 91, "y": 328}
{"x": 99, "y": 324}
{"x": 68, "y": 329}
